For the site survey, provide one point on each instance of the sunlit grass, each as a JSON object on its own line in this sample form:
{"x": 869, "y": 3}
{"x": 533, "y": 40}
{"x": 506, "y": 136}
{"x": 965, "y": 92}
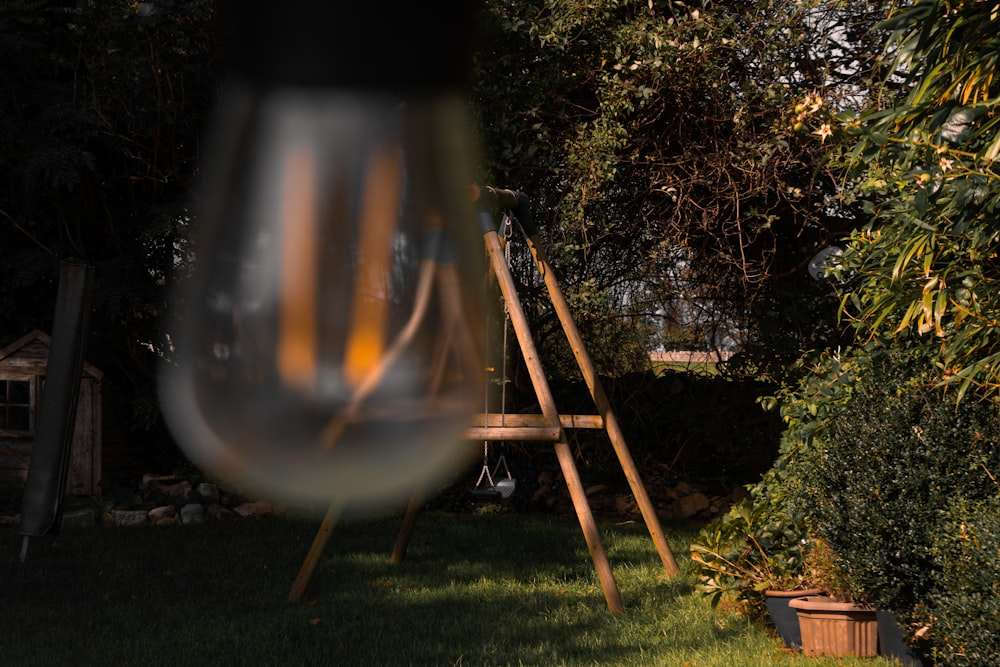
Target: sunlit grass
{"x": 473, "y": 590}
{"x": 698, "y": 368}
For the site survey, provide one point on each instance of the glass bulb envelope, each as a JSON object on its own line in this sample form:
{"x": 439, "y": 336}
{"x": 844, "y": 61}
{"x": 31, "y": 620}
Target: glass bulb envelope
{"x": 326, "y": 342}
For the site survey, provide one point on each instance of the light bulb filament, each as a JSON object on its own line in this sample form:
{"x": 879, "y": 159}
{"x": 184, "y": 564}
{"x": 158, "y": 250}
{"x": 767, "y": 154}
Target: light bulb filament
{"x": 377, "y": 225}
{"x": 297, "y": 338}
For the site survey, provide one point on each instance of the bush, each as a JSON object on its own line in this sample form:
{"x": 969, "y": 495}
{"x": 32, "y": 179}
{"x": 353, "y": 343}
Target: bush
{"x": 750, "y": 549}
{"x": 895, "y": 486}
{"x": 701, "y": 429}
{"x": 896, "y": 458}
{"x": 765, "y": 542}
{"x": 965, "y": 608}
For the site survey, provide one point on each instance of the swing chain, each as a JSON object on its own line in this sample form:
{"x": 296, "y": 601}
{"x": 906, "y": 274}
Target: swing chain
{"x": 506, "y": 232}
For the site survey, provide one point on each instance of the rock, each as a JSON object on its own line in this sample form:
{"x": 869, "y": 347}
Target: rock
{"x": 9, "y": 520}
{"x": 159, "y": 514}
{"x": 601, "y": 504}
{"x": 156, "y": 497}
{"x": 208, "y": 492}
{"x": 719, "y": 505}
{"x": 216, "y": 512}
{"x": 625, "y": 505}
{"x": 691, "y": 504}
{"x": 129, "y": 517}
{"x": 684, "y": 489}
{"x": 81, "y": 518}
{"x": 193, "y": 513}
{"x": 564, "y": 507}
{"x": 158, "y": 480}
{"x": 178, "y": 490}
{"x": 258, "y": 508}
{"x": 123, "y": 497}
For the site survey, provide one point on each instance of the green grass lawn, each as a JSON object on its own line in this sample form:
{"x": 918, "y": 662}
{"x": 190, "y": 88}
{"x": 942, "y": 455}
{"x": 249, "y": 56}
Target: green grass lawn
{"x": 660, "y": 367}
{"x": 496, "y": 589}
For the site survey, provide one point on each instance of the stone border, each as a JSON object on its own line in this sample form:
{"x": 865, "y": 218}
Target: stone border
{"x": 162, "y": 500}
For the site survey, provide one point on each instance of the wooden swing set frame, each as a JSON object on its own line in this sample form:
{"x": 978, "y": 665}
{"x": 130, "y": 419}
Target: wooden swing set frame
{"x": 549, "y": 426}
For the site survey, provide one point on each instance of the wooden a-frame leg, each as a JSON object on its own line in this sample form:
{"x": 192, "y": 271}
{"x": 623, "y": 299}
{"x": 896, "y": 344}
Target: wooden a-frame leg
{"x": 533, "y": 364}
{"x": 589, "y": 526}
{"x": 406, "y": 530}
{"x": 315, "y": 551}
{"x": 586, "y": 365}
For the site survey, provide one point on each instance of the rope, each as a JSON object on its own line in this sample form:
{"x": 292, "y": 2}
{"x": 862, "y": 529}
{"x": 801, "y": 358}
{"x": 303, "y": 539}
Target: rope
{"x": 486, "y": 466}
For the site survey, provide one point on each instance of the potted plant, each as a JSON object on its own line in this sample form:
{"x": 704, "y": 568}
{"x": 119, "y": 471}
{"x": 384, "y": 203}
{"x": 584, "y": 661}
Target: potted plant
{"x": 840, "y": 623}
{"x": 783, "y": 616}
{"x": 898, "y": 462}
{"x": 756, "y": 561}
{"x": 836, "y": 628}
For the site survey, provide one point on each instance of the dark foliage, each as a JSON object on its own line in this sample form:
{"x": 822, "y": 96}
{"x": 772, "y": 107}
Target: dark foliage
{"x": 966, "y": 607}
{"x": 659, "y": 145}
{"x": 892, "y": 464}
{"x": 101, "y": 112}
{"x": 679, "y": 426}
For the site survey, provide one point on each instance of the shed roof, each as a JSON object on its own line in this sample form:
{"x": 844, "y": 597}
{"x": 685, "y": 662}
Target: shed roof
{"x": 30, "y": 354}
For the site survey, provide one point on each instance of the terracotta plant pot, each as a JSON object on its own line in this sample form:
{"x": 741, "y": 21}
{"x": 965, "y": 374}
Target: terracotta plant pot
{"x": 836, "y": 629}
{"x": 783, "y": 617}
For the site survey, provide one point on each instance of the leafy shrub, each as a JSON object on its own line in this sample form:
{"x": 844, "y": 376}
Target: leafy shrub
{"x": 965, "y": 609}
{"x": 702, "y": 429}
{"x": 893, "y": 461}
{"x": 809, "y": 407}
{"x": 765, "y": 543}
{"x": 888, "y": 488}
{"x": 748, "y": 551}
{"x": 898, "y": 455}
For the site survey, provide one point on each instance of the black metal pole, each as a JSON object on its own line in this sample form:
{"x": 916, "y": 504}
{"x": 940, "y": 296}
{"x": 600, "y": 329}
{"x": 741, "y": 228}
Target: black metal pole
{"x": 41, "y": 505}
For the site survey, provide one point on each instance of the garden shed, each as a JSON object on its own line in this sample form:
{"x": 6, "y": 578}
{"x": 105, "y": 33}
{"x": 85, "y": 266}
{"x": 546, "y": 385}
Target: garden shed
{"x": 22, "y": 376}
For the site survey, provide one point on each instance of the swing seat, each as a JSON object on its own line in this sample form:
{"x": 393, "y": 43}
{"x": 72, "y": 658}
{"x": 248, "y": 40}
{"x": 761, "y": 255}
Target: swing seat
{"x": 502, "y": 490}
{"x": 506, "y": 487}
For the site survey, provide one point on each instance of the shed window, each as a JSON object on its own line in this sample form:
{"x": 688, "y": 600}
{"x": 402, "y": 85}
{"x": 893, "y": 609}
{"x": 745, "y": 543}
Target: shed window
{"x": 15, "y": 405}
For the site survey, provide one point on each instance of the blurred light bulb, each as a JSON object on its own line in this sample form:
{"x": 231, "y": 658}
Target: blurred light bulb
{"x": 325, "y": 345}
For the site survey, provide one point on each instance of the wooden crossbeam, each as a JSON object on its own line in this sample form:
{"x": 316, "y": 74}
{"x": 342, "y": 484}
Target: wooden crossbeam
{"x": 532, "y": 433}
{"x": 493, "y": 420}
